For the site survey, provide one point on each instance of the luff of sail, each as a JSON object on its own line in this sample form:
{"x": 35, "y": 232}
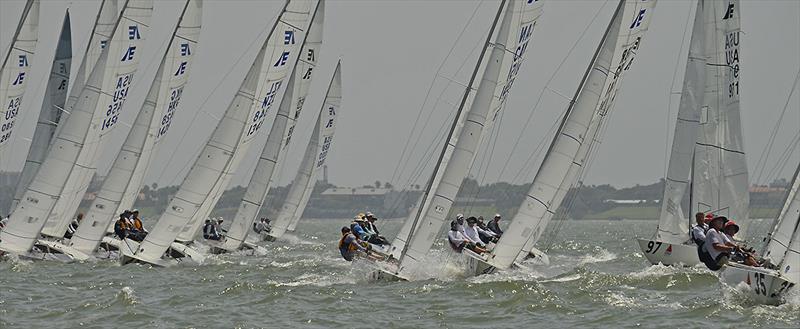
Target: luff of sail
{"x": 672, "y": 224}
{"x": 16, "y": 68}
{"x": 68, "y": 150}
{"x": 314, "y": 158}
{"x": 125, "y": 47}
{"x": 231, "y": 138}
{"x": 273, "y": 154}
{"x": 124, "y": 180}
{"x": 544, "y": 196}
{"x": 104, "y": 25}
{"x": 293, "y": 24}
{"x": 507, "y": 47}
{"x": 720, "y": 169}
{"x": 55, "y": 97}
{"x": 783, "y": 246}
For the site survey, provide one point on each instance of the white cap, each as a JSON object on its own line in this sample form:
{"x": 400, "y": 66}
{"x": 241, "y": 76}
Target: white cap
{"x": 459, "y": 216}
{"x": 496, "y": 215}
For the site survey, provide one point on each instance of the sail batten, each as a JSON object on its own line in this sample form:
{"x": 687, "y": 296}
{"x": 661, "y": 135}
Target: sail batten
{"x": 490, "y": 95}
{"x": 273, "y": 154}
{"x": 69, "y": 161}
{"x": 573, "y": 141}
{"x": 231, "y": 139}
{"x": 314, "y": 158}
{"x": 15, "y": 70}
{"x": 126, "y": 176}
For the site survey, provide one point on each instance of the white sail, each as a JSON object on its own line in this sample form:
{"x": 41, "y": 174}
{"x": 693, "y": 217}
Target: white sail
{"x": 783, "y": 246}
{"x": 593, "y": 100}
{"x": 314, "y": 158}
{"x": 55, "y": 97}
{"x": 673, "y": 226}
{"x": 45, "y": 130}
{"x": 508, "y": 47}
{"x": 121, "y": 65}
{"x": 124, "y": 180}
{"x": 293, "y": 24}
{"x": 232, "y": 137}
{"x": 78, "y": 138}
{"x": 15, "y": 70}
{"x": 273, "y": 155}
{"x": 720, "y": 182}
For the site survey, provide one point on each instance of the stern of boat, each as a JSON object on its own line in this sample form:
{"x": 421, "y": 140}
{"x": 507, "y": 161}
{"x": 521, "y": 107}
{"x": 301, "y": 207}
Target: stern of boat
{"x": 659, "y": 252}
{"x": 476, "y": 264}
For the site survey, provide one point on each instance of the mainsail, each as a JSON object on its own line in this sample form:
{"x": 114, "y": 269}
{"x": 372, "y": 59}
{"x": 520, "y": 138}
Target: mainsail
{"x": 507, "y": 47}
{"x": 15, "y": 69}
{"x": 314, "y": 158}
{"x": 294, "y": 23}
{"x": 121, "y": 65}
{"x": 573, "y": 141}
{"x": 232, "y": 137}
{"x": 49, "y": 118}
{"x": 273, "y": 154}
{"x": 74, "y": 148}
{"x": 673, "y": 226}
{"x": 720, "y": 168}
{"x": 124, "y": 180}
{"x": 783, "y": 246}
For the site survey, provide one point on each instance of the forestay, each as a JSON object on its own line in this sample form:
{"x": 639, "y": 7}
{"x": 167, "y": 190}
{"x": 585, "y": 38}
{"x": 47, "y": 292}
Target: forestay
{"x": 314, "y": 158}
{"x": 273, "y": 154}
{"x": 572, "y": 143}
{"x": 233, "y": 135}
{"x": 673, "y": 227}
{"x": 16, "y": 68}
{"x": 284, "y": 49}
{"x": 124, "y": 180}
{"x": 111, "y": 91}
{"x": 720, "y": 169}
{"x": 508, "y": 48}
{"x": 45, "y": 129}
{"x": 783, "y": 246}
{"x": 78, "y": 137}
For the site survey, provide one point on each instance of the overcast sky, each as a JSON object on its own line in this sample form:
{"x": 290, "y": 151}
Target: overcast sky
{"x": 390, "y": 53}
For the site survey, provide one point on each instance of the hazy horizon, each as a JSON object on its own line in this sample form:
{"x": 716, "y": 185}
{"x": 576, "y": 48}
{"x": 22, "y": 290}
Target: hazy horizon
{"x": 391, "y": 51}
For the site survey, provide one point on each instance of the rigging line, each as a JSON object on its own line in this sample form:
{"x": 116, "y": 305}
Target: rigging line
{"x": 435, "y": 105}
{"x": 430, "y": 88}
{"x": 762, "y": 160}
{"x": 549, "y": 80}
{"x": 181, "y": 172}
{"x": 487, "y": 158}
{"x": 783, "y": 159}
{"x": 527, "y": 168}
{"x": 667, "y": 146}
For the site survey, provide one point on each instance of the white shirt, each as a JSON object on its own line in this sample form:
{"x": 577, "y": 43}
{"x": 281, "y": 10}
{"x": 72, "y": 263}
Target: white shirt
{"x": 471, "y": 232}
{"x": 456, "y": 237}
{"x": 713, "y": 237}
{"x": 699, "y": 232}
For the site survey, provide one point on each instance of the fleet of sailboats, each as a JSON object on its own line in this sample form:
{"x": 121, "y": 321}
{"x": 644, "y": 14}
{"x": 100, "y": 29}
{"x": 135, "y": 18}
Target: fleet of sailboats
{"x": 77, "y": 115}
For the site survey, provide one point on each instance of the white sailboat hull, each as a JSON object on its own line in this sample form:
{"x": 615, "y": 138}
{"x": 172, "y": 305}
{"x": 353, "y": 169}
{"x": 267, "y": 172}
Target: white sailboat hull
{"x": 672, "y": 254}
{"x": 219, "y": 248}
{"x": 765, "y": 286}
{"x": 179, "y": 252}
{"x": 46, "y": 250}
{"x": 476, "y": 264}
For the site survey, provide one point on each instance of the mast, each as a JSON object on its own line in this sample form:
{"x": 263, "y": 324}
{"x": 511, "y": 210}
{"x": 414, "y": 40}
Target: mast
{"x": 572, "y": 143}
{"x": 14, "y": 77}
{"x": 454, "y": 125}
{"x": 124, "y": 179}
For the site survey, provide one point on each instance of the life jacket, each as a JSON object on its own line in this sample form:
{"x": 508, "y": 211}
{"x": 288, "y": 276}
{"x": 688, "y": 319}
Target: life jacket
{"x": 349, "y": 247}
{"x": 137, "y": 223}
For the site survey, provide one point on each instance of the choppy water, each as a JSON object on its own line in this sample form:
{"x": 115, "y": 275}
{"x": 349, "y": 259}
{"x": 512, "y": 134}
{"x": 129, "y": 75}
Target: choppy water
{"x": 597, "y": 278}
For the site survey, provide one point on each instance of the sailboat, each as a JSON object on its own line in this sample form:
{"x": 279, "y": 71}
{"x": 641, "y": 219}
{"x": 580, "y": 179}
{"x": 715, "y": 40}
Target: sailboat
{"x": 225, "y": 149}
{"x": 75, "y": 148}
{"x": 771, "y": 284}
{"x": 571, "y": 147}
{"x": 503, "y": 53}
{"x": 123, "y": 182}
{"x": 707, "y": 155}
{"x": 16, "y": 68}
{"x": 314, "y": 158}
{"x": 57, "y": 99}
{"x": 280, "y": 135}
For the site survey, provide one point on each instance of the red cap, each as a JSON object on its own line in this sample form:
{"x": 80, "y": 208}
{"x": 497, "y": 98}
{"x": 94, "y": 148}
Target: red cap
{"x": 732, "y": 223}
{"x": 709, "y": 217}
